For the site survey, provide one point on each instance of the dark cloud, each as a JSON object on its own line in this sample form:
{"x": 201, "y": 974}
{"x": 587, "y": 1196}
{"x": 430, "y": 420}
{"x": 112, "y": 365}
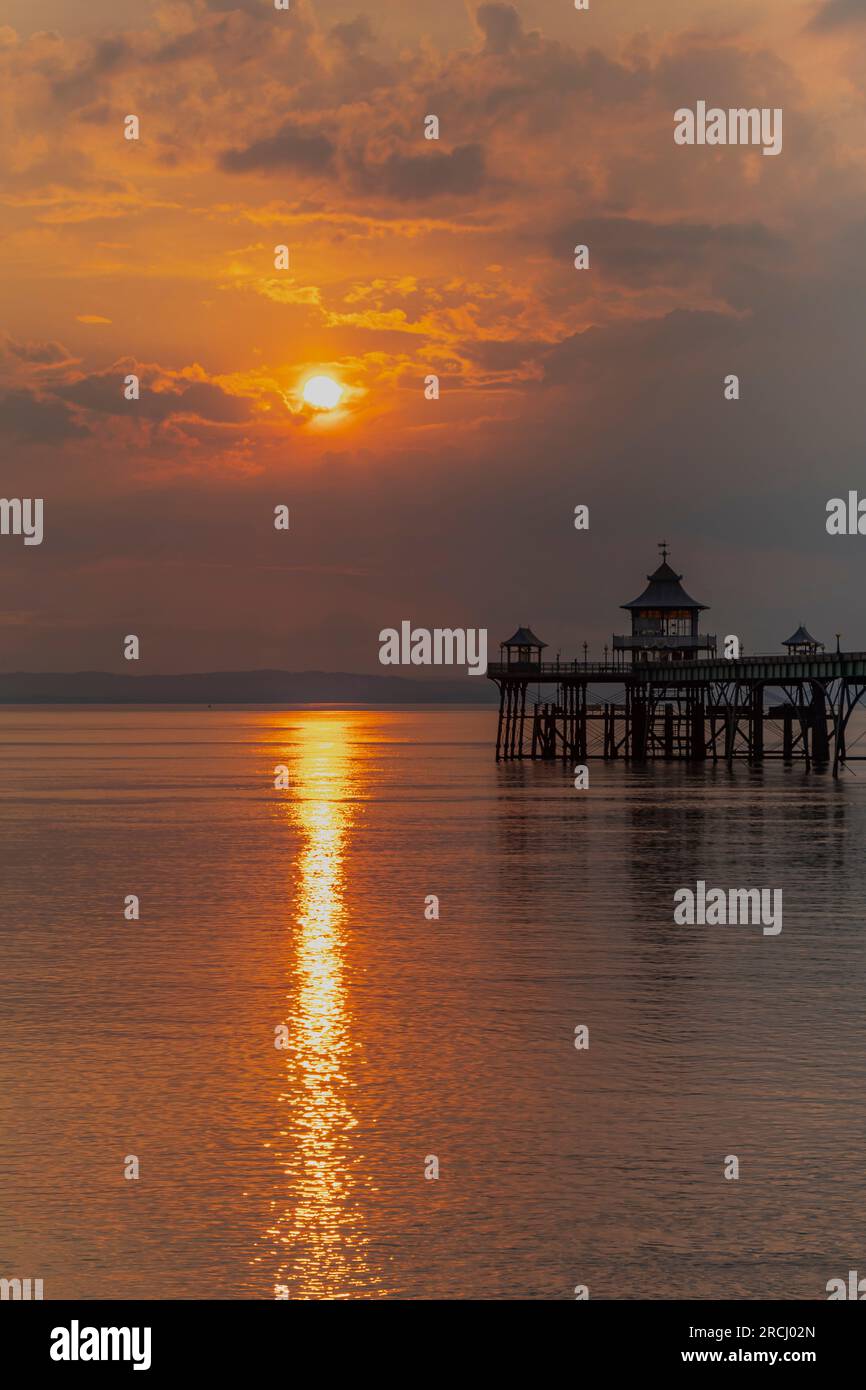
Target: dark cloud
{"x": 38, "y": 354}
{"x": 207, "y": 400}
{"x": 108, "y": 57}
{"x": 186, "y": 46}
{"x": 834, "y": 14}
{"x": 98, "y": 114}
{"x": 638, "y": 253}
{"x": 528, "y": 73}
{"x": 502, "y": 355}
{"x": 27, "y": 419}
{"x": 353, "y": 34}
{"x": 429, "y": 175}
{"x": 500, "y": 25}
{"x": 250, "y": 7}
{"x": 646, "y": 350}
{"x": 293, "y": 147}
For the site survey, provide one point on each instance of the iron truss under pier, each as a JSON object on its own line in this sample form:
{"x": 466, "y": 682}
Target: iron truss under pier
{"x": 792, "y": 707}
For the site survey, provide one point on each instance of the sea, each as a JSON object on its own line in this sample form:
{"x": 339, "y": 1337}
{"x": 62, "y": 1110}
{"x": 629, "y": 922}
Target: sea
{"x": 324, "y": 1003}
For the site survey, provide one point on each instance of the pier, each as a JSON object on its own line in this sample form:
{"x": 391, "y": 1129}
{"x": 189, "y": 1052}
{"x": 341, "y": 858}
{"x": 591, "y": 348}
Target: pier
{"x": 665, "y": 693}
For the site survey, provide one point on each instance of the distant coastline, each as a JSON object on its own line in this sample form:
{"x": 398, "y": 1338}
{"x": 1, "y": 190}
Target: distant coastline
{"x": 237, "y": 688}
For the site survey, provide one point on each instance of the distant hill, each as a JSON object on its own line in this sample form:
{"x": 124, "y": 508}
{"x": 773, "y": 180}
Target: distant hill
{"x": 238, "y": 688}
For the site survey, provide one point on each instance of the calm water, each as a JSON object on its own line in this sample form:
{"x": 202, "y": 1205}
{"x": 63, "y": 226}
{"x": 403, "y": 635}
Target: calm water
{"x": 304, "y": 1166}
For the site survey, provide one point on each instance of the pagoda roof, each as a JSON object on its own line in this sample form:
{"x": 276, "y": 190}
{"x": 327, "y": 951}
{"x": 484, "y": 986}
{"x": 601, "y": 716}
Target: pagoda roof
{"x": 664, "y": 591}
{"x": 524, "y": 637}
{"x": 802, "y": 638}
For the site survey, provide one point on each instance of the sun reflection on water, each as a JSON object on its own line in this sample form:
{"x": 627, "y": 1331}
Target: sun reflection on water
{"x": 318, "y": 1235}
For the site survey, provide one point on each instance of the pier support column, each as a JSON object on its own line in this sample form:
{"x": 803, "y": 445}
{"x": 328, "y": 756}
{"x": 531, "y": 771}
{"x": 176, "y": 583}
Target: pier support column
{"x": 610, "y": 730}
{"x": 669, "y": 732}
{"x": 510, "y": 726}
{"x": 713, "y": 699}
{"x": 818, "y": 721}
{"x": 848, "y": 697}
{"x": 499, "y": 725}
{"x": 522, "y": 722}
{"x": 730, "y": 733}
{"x": 548, "y": 750}
{"x": 638, "y": 727}
{"x": 581, "y": 725}
{"x": 566, "y": 701}
{"x": 698, "y": 739}
{"x": 788, "y": 735}
{"x": 805, "y": 725}
{"x": 756, "y": 721}
{"x": 840, "y": 723}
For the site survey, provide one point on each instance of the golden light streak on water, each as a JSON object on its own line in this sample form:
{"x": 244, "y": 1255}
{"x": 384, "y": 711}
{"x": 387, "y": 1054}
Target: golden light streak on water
{"x": 319, "y": 1233}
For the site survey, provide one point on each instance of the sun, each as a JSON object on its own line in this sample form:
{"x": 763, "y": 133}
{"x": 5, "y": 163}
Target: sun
{"x": 322, "y": 392}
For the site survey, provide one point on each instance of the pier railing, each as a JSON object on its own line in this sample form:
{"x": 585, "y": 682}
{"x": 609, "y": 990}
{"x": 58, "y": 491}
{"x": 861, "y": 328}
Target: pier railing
{"x": 544, "y": 670}
{"x": 821, "y": 665}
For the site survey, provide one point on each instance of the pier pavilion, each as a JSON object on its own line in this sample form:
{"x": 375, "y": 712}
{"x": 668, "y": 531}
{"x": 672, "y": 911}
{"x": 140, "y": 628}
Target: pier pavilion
{"x": 663, "y": 692}
{"x": 664, "y": 621}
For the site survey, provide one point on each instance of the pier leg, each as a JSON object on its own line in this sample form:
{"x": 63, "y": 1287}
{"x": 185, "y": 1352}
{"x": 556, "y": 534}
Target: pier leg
{"x": 730, "y": 733}
{"x": 712, "y": 703}
{"x": 803, "y": 714}
{"x": 756, "y": 732}
{"x": 565, "y": 707}
{"x": 638, "y": 729}
{"x": 548, "y": 745}
{"x": 499, "y": 726}
{"x": 818, "y": 720}
{"x": 581, "y": 727}
{"x": 840, "y": 720}
{"x": 788, "y": 735}
{"x": 626, "y": 726}
{"x": 698, "y": 739}
{"x": 506, "y": 728}
{"x": 522, "y": 720}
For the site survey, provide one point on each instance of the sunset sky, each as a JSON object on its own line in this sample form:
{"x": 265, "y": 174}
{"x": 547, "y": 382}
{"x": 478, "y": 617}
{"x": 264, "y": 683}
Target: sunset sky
{"x": 410, "y": 257}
